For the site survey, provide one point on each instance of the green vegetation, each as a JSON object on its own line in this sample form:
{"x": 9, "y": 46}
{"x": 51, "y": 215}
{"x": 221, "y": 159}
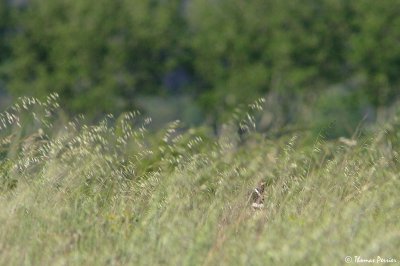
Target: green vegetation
{"x": 309, "y": 180}
{"x": 100, "y": 56}
{"x": 115, "y": 194}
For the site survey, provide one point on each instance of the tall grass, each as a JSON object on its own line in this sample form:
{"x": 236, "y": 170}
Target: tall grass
{"x": 115, "y": 194}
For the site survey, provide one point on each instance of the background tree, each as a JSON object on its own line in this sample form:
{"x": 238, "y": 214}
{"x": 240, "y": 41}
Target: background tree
{"x": 101, "y": 56}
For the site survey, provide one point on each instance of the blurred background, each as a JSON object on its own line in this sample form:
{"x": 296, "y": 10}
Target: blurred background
{"x": 316, "y": 62}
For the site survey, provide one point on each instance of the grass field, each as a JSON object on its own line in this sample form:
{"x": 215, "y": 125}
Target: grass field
{"x": 115, "y": 194}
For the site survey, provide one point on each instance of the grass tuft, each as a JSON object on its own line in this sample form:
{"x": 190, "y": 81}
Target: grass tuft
{"x": 114, "y": 193}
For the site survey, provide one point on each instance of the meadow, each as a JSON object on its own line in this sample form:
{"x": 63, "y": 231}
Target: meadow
{"x": 115, "y": 193}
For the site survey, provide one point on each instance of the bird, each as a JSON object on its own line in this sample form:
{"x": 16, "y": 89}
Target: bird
{"x": 257, "y": 196}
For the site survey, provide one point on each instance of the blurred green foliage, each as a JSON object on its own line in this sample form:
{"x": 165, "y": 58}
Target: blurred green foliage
{"x": 100, "y": 55}
{"x": 5, "y": 26}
